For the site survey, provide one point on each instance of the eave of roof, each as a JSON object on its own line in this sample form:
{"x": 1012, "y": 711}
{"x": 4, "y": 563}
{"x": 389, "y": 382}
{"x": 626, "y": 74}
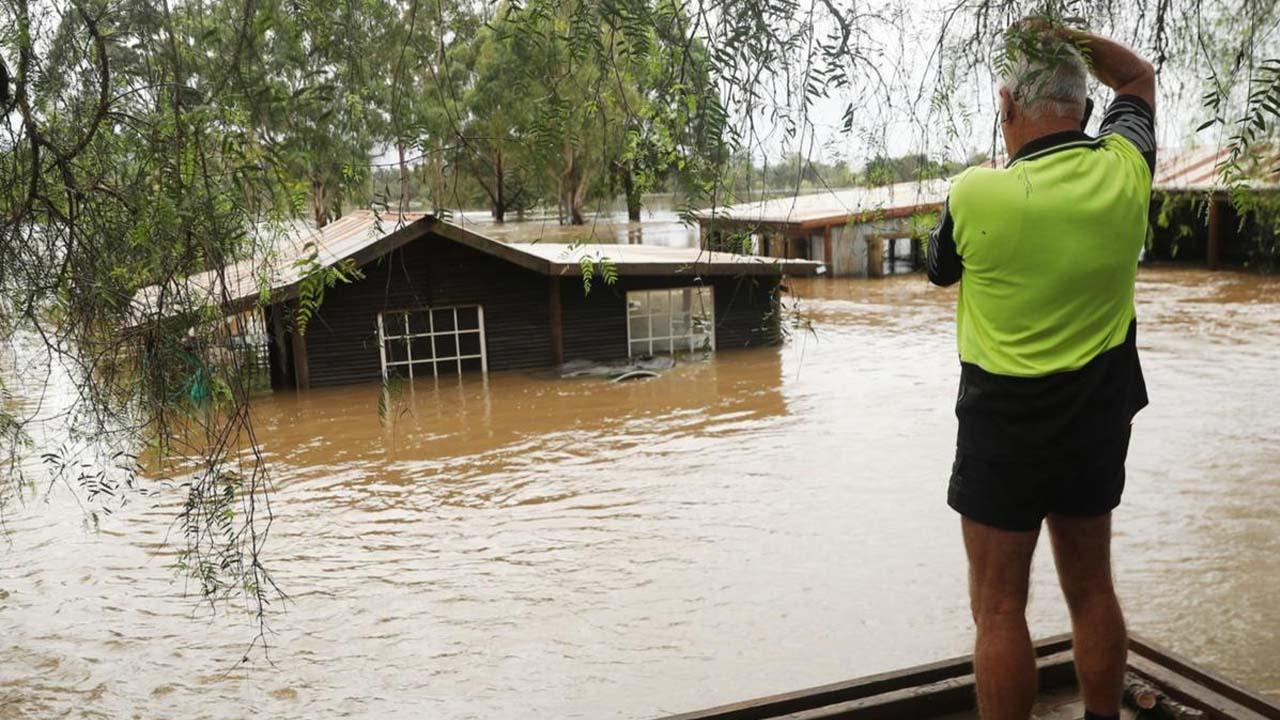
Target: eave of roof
{"x": 356, "y": 238}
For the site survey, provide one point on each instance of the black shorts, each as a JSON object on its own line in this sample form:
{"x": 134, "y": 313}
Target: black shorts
{"x": 1018, "y": 494}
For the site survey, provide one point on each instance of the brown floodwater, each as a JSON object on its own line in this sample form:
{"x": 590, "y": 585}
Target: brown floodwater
{"x": 522, "y": 546}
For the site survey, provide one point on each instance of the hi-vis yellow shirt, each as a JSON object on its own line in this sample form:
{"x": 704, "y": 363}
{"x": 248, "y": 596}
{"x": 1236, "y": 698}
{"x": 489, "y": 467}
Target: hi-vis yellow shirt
{"x": 1046, "y": 249}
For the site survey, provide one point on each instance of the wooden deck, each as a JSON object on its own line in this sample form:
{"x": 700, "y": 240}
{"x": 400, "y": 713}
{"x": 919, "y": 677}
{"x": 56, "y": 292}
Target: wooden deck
{"x": 945, "y": 690}
{"x": 1060, "y": 704}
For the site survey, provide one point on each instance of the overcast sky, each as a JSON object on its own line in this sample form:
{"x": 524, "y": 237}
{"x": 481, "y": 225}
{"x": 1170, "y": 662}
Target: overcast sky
{"x": 906, "y": 123}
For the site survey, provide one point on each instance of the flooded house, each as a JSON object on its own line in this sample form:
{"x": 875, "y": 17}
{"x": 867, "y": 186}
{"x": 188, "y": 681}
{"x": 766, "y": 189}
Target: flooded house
{"x": 856, "y": 232}
{"x": 875, "y": 231}
{"x": 1195, "y": 218}
{"x": 432, "y": 298}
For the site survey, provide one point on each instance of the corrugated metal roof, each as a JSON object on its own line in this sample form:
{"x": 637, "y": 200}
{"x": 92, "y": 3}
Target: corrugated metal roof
{"x": 362, "y": 236}
{"x": 564, "y": 256}
{"x": 1187, "y": 169}
{"x": 836, "y": 207}
{"x": 275, "y": 269}
{"x": 1196, "y": 169}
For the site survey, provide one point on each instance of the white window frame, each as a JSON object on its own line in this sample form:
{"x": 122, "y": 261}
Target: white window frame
{"x": 709, "y": 334}
{"x": 407, "y": 338}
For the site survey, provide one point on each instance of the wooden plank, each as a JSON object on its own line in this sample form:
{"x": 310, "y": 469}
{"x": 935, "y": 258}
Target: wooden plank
{"x": 947, "y": 688}
{"x": 301, "y": 364}
{"x": 775, "y": 705}
{"x": 1144, "y": 650}
{"x": 1214, "y": 251}
{"x": 1189, "y": 692}
{"x": 556, "y": 319}
{"x": 281, "y": 367}
{"x": 939, "y": 698}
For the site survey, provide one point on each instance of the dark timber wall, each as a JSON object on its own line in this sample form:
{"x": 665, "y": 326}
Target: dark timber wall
{"x": 595, "y": 326}
{"x": 342, "y": 339}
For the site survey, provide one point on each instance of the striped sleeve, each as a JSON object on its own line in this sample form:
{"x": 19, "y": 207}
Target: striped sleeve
{"x": 1132, "y": 118}
{"x": 944, "y": 263}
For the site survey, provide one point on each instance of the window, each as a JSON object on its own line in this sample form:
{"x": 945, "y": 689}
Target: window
{"x": 671, "y": 321}
{"x": 431, "y": 341}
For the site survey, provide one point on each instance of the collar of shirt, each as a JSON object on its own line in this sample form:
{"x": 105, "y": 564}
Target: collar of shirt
{"x": 1051, "y": 142}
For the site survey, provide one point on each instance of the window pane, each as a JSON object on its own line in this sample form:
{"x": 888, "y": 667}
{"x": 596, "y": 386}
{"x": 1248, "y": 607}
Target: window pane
{"x": 639, "y": 349}
{"x": 446, "y": 346}
{"x": 432, "y": 340}
{"x": 469, "y": 343}
{"x": 468, "y": 318}
{"x": 661, "y": 325}
{"x": 684, "y": 300}
{"x": 443, "y": 319}
{"x": 706, "y": 299}
{"x": 421, "y": 348}
{"x": 397, "y": 350}
{"x": 638, "y": 303}
{"x": 639, "y": 328}
{"x": 660, "y": 302}
{"x": 662, "y": 345}
{"x": 418, "y": 322}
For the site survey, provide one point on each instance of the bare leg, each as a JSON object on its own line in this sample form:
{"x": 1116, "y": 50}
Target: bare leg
{"x": 1004, "y": 661}
{"x": 1082, "y": 551}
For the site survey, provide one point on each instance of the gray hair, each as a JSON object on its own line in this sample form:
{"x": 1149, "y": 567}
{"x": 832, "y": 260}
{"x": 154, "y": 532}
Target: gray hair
{"x": 1051, "y": 81}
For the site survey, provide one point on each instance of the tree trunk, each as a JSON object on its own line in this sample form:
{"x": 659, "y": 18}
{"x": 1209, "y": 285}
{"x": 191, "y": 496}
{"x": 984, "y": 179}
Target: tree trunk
{"x": 573, "y": 185}
{"x": 633, "y": 196}
{"x": 404, "y": 179}
{"x": 437, "y": 179}
{"x": 319, "y": 203}
{"x": 500, "y": 197}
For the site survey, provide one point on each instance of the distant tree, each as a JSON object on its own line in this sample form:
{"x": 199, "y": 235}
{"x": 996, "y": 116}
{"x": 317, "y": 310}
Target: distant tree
{"x": 497, "y": 129}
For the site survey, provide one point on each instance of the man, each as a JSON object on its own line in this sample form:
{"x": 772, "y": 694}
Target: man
{"x": 1046, "y": 250}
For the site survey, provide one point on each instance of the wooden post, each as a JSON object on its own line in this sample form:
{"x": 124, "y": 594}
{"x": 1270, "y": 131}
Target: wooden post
{"x": 828, "y": 251}
{"x": 875, "y": 256}
{"x": 281, "y": 372}
{"x": 555, "y": 318}
{"x": 1214, "y": 250}
{"x": 301, "y": 369}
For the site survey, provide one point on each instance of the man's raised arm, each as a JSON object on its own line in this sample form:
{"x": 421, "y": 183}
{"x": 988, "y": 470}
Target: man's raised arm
{"x": 1132, "y": 114}
{"x": 1116, "y": 66}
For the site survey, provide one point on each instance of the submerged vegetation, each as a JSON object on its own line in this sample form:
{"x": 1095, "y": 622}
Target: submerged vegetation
{"x": 145, "y": 141}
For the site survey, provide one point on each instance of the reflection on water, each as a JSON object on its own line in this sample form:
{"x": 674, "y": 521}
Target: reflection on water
{"x": 524, "y": 546}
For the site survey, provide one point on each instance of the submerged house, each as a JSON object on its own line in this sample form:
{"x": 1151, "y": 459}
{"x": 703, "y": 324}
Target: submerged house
{"x": 874, "y": 231}
{"x": 435, "y": 299}
{"x": 857, "y": 232}
{"x": 1194, "y": 216}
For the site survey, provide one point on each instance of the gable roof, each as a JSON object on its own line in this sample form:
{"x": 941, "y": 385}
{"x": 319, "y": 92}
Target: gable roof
{"x": 363, "y": 236}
